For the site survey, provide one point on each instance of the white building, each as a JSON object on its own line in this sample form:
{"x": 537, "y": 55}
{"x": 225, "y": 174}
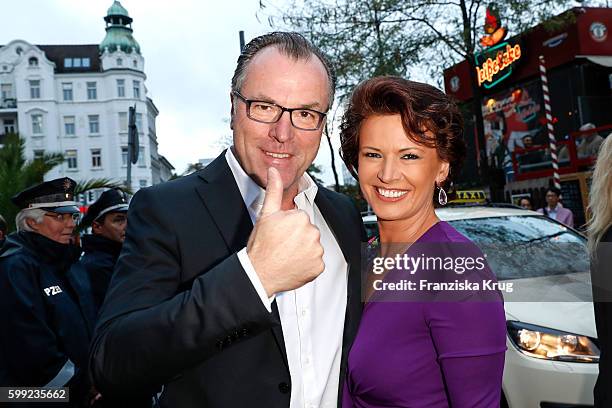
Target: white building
{"x": 74, "y": 99}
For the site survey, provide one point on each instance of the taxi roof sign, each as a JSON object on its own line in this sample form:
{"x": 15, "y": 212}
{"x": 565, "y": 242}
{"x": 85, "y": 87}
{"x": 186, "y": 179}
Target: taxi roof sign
{"x": 469, "y": 196}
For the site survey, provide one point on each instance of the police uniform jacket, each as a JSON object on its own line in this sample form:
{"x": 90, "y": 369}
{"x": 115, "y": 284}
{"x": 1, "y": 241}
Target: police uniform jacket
{"x": 99, "y": 258}
{"x": 47, "y": 314}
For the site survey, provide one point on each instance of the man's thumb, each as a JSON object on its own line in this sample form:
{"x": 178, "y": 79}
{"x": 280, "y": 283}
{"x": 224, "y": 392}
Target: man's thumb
{"x": 274, "y": 193}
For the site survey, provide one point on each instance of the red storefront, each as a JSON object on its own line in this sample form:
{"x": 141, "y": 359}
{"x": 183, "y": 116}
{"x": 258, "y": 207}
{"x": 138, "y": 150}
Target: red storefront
{"x": 579, "y": 68}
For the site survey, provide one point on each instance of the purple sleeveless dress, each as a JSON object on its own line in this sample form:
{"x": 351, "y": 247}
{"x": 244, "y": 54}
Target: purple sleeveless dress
{"x": 429, "y": 354}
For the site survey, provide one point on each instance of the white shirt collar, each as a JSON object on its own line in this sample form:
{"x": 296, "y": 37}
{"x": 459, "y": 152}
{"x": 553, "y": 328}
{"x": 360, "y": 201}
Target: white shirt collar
{"x": 252, "y": 194}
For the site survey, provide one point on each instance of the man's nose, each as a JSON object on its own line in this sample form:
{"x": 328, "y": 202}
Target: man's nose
{"x": 282, "y": 130}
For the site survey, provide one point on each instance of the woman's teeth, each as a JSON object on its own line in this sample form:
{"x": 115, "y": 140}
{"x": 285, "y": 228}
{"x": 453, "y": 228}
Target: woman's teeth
{"x": 391, "y": 193}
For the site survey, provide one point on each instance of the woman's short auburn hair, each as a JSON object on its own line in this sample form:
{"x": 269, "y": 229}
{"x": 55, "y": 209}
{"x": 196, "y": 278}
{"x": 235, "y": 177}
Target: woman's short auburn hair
{"x": 424, "y": 110}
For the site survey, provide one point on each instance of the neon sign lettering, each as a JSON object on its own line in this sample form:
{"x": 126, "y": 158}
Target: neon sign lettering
{"x": 498, "y": 65}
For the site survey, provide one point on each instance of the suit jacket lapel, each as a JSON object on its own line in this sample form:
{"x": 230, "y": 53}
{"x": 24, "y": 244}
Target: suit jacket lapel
{"x": 222, "y": 198}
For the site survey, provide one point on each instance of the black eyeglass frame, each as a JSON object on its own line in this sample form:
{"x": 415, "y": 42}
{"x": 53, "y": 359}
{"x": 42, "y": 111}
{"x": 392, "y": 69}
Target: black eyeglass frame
{"x": 60, "y": 216}
{"x": 248, "y": 103}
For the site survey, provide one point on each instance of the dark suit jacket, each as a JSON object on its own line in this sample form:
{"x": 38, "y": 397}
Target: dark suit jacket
{"x": 181, "y": 312}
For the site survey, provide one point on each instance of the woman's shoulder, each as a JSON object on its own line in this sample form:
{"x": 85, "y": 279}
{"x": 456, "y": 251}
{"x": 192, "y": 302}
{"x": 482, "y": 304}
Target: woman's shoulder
{"x": 443, "y": 232}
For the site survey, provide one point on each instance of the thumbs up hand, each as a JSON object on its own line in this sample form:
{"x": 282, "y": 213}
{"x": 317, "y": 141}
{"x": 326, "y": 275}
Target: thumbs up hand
{"x": 284, "y": 247}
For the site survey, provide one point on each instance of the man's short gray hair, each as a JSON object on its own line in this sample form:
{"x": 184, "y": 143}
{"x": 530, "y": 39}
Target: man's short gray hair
{"x": 35, "y": 214}
{"x": 291, "y": 44}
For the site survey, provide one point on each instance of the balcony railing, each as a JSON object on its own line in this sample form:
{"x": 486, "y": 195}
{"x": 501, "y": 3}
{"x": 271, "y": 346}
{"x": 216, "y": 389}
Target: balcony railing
{"x": 8, "y": 103}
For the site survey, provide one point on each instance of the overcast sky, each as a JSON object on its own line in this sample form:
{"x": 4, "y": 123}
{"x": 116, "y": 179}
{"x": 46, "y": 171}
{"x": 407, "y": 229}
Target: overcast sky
{"x": 190, "y": 49}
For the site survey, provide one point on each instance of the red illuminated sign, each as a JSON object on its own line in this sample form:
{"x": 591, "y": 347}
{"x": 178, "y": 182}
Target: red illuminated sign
{"x": 495, "y": 64}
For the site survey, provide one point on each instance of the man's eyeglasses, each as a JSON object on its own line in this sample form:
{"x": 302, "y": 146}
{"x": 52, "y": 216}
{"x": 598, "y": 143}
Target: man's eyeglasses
{"x": 267, "y": 112}
{"x": 64, "y": 217}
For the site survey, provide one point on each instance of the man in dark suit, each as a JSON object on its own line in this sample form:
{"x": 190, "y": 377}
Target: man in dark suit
{"x": 229, "y": 295}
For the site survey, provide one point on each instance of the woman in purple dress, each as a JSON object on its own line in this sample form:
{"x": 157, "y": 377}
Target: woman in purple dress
{"x": 403, "y": 141}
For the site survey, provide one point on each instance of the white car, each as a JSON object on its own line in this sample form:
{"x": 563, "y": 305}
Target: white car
{"x": 553, "y": 351}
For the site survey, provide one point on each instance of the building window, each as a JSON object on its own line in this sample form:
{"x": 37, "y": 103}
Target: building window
{"x": 37, "y": 124}
{"x": 96, "y": 158}
{"x": 67, "y": 90}
{"x": 71, "y": 159}
{"x": 33, "y": 62}
{"x": 92, "y": 91}
{"x": 77, "y": 62}
{"x": 94, "y": 124}
{"x": 143, "y": 183}
{"x": 9, "y": 126}
{"x": 135, "y": 63}
{"x": 119, "y": 62}
{"x": 35, "y": 89}
{"x": 142, "y": 162}
{"x": 139, "y": 122}
{"x": 69, "y": 125}
{"x": 121, "y": 88}
{"x": 7, "y": 91}
{"x": 38, "y": 154}
{"x": 123, "y": 121}
{"x": 124, "y": 156}
{"x": 137, "y": 89}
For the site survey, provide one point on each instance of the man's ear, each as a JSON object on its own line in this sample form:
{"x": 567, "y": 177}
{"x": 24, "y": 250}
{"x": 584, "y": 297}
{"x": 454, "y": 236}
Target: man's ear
{"x": 95, "y": 226}
{"x": 32, "y": 224}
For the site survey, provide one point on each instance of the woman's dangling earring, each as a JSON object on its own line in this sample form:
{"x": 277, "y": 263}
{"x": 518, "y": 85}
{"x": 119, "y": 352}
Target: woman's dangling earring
{"x": 442, "y": 197}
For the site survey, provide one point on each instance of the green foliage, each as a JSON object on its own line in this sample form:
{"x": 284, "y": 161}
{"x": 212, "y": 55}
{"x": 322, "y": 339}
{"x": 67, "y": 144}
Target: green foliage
{"x": 17, "y": 174}
{"x": 192, "y": 168}
{"x": 84, "y": 186}
{"x": 314, "y": 171}
{"x": 365, "y": 38}
{"x": 354, "y": 192}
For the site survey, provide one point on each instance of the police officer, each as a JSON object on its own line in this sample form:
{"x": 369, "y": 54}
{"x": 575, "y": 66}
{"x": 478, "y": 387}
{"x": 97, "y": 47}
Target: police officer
{"x": 45, "y": 297}
{"x": 108, "y": 220}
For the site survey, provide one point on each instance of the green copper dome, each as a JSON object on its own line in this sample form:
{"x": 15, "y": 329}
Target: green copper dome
{"x": 117, "y": 10}
{"x": 118, "y": 31}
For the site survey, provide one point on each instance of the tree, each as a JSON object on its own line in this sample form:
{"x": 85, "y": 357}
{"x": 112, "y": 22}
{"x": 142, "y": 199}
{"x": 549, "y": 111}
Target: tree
{"x": 314, "y": 172}
{"x": 17, "y": 174}
{"x": 354, "y": 193}
{"x": 192, "y": 168}
{"x": 365, "y": 38}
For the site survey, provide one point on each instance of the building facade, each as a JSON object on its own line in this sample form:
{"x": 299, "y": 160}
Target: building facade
{"x": 74, "y": 100}
{"x": 578, "y": 61}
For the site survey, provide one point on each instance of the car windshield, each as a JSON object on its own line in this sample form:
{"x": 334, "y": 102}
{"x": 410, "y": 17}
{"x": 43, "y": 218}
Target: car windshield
{"x": 526, "y": 246}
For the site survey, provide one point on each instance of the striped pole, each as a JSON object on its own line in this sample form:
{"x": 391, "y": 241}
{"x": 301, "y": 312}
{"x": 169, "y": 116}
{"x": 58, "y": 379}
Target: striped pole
{"x": 549, "y": 124}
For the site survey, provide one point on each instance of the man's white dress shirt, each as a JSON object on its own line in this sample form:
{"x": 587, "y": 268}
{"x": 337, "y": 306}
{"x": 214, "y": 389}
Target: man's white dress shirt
{"x": 312, "y": 317}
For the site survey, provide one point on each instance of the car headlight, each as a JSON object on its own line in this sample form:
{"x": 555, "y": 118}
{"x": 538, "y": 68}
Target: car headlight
{"x": 550, "y": 344}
